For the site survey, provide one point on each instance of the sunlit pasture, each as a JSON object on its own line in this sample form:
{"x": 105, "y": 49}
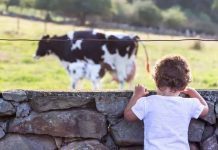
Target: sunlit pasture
{"x": 18, "y": 69}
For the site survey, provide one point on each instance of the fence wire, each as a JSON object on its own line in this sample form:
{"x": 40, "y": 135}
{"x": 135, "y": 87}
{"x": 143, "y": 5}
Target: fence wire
{"x": 120, "y": 40}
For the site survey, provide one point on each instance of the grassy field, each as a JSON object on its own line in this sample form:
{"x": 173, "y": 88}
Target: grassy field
{"x": 18, "y": 70}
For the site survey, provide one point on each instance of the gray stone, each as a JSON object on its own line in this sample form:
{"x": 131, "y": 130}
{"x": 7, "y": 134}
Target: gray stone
{"x": 70, "y": 140}
{"x": 2, "y": 133}
{"x": 132, "y": 148}
{"x": 46, "y": 103}
{"x": 216, "y": 109}
{"x": 128, "y": 133}
{"x": 111, "y": 105}
{"x": 209, "y": 95}
{"x": 210, "y": 144}
{"x": 92, "y": 94}
{"x": 210, "y": 117}
{"x": 4, "y": 125}
{"x": 58, "y": 142}
{"x": 15, "y": 104}
{"x": 216, "y": 130}
{"x": 77, "y": 124}
{"x": 23, "y": 110}
{"x": 85, "y": 145}
{"x": 74, "y": 123}
{"x": 6, "y": 108}
{"x": 208, "y": 132}
{"x": 196, "y": 129}
{"x": 26, "y": 142}
{"x": 113, "y": 120}
{"x": 194, "y": 146}
{"x": 15, "y": 95}
{"x": 110, "y": 143}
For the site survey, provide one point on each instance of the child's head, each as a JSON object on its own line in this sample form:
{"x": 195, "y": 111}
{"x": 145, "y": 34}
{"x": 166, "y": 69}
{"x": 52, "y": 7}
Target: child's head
{"x": 172, "y": 72}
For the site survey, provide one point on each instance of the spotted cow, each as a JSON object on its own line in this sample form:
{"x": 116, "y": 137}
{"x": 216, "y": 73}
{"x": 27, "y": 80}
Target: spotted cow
{"x": 89, "y": 54}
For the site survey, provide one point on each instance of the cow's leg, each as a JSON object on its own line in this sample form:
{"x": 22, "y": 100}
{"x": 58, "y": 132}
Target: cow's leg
{"x": 76, "y": 72}
{"x": 122, "y": 84}
{"x": 74, "y": 84}
{"x": 117, "y": 76}
{"x": 125, "y": 70}
{"x": 96, "y": 84}
{"x": 131, "y": 70}
{"x": 95, "y": 80}
{"x": 121, "y": 76}
{"x": 121, "y": 65}
{"x": 67, "y": 66}
{"x": 93, "y": 74}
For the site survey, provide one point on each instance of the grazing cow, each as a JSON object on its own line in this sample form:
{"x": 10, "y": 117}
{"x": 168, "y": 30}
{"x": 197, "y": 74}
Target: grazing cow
{"x": 88, "y": 54}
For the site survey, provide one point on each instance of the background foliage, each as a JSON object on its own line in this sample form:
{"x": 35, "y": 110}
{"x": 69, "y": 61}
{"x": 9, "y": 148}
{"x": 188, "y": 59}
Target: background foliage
{"x": 170, "y": 14}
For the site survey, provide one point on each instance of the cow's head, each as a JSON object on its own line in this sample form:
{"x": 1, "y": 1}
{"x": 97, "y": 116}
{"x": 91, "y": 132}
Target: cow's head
{"x": 43, "y": 47}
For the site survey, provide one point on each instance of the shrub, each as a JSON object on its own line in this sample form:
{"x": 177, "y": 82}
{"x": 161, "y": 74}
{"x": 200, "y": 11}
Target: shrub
{"x": 197, "y": 45}
{"x": 214, "y": 15}
{"x": 148, "y": 13}
{"x": 174, "y": 18}
{"x": 122, "y": 11}
{"x": 201, "y": 23}
{"x": 199, "y": 16}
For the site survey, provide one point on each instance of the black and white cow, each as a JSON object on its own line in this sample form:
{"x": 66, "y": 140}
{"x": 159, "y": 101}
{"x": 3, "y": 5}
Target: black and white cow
{"x": 88, "y": 54}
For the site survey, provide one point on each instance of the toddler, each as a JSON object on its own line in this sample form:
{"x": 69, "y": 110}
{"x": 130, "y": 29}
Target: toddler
{"x": 166, "y": 116}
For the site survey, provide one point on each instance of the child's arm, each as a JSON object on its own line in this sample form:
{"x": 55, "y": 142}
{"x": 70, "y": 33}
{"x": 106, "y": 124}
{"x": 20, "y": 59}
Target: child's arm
{"x": 138, "y": 93}
{"x": 194, "y": 94}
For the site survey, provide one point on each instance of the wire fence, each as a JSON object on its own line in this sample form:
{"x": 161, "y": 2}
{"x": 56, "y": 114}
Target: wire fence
{"x": 120, "y": 40}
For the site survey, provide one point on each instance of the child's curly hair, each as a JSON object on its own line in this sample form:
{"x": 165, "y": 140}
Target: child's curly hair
{"x": 172, "y": 72}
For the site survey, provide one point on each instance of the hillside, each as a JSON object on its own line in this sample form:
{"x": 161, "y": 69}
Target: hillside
{"x": 20, "y": 71}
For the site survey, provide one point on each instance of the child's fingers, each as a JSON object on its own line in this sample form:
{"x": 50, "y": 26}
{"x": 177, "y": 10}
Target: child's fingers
{"x": 141, "y": 88}
{"x": 184, "y": 91}
{"x": 146, "y": 91}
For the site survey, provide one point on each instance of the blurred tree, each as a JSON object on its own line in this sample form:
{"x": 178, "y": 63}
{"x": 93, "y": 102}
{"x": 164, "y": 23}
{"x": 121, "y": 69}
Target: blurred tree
{"x": 215, "y": 5}
{"x": 149, "y": 14}
{"x": 174, "y": 17}
{"x": 9, "y": 3}
{"x": 46, "y": 6}
{"x": 130, "y": 1}
{"x": 27, "y": 3}
{"x": 119, "y": 11}
{"x": 215, "y": 10}
{"x": 167, "y": 3}
{"x": 83, "y": 8}
{"x": 2, "y": 1}
{"x": 195, "y": 5}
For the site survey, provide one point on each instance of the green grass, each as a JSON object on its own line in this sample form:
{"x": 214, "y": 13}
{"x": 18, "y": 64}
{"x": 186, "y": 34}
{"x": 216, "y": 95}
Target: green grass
{"x": 19, "y": 71}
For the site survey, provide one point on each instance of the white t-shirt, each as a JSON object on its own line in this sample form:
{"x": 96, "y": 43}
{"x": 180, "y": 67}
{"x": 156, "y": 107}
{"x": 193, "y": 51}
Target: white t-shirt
{"x": 166, "y": 120}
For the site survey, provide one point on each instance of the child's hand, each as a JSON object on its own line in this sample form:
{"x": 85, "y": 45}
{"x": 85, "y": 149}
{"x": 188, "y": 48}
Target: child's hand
{"x": 140, "y": 91}
{"x": 194, "y": 94}
{"x": 190, "y": 91}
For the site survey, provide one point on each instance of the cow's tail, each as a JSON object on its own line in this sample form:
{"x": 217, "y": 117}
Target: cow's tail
{"x": 147, "y": 58}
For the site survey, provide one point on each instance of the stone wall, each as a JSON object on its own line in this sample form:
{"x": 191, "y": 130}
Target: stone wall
{"x": 38, "y": 120}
